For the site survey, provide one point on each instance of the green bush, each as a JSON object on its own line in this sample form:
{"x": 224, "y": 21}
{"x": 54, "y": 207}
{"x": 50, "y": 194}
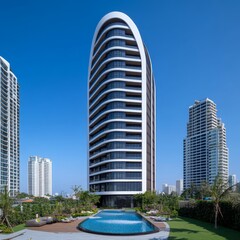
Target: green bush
{"x": 174, "y": 213}
{"x": 5, "y": 229}
{"x": 81, "y": 214}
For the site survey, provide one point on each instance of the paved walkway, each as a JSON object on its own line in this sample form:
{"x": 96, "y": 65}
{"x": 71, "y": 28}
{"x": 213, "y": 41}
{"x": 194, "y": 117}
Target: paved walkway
{"x": 69, "y": 231}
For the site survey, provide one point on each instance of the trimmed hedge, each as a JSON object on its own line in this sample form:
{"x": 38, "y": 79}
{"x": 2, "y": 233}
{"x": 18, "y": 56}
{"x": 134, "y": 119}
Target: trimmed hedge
{"x": 204, "y": 211}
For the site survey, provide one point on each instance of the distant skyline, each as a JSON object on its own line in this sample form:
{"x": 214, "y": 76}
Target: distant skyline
{"x": 195, "y": 52}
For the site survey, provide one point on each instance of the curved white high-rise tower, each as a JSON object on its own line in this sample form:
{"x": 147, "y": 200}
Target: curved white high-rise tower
{"x": 121, "y": 91}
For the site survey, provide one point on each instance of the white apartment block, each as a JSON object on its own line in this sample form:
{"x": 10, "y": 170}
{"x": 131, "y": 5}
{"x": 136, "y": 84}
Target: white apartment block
{"x": 205, "y": 150}
{"x": 39, "y": 176}
{"x": 232, "y": 180}
{"x": 9, "y": 135}
{"x": 168, "y": 189}
{"x": 179, "y": 186}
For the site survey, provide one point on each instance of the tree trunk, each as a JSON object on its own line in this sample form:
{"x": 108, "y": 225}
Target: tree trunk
{"x": 216, "y": 215}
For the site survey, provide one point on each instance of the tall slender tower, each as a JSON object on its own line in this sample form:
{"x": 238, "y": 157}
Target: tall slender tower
{"x": 39, "y": 176}
{"x": 121, "y": 91}
{"x": 9, "y": 136}
{"x": 205, "y": 149}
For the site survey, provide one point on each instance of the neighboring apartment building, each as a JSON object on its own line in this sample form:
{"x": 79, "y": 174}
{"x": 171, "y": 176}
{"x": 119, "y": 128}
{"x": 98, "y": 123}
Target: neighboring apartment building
{"x": 39, "y": 176}
{"x": 121, "y": 90}
{"x": 9, "y": 136}
{"x": 179, "y": 187}
{"x": 205, "y": 149}
{"x": 168, "y": 189}
{"x": 232, "y": 180}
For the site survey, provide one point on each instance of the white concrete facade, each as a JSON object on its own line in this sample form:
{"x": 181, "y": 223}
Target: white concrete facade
{"x": 39, "y": 176}
{"x": 121, "y": 94}
{"x": 9, "y": 135}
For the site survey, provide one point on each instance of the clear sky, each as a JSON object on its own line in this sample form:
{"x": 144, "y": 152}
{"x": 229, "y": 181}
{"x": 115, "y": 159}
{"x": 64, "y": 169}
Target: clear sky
{"x": 195, "y": 52}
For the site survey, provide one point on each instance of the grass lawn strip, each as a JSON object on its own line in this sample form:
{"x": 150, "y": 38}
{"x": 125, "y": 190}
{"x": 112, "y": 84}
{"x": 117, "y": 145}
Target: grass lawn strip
{"x": 191, "y": 229}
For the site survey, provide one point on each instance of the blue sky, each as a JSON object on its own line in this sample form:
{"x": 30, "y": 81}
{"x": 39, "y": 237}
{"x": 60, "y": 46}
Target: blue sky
{"x": 195, "y": 51}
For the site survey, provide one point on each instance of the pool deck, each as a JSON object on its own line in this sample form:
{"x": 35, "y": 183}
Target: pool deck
{"x": 69, "y": 231}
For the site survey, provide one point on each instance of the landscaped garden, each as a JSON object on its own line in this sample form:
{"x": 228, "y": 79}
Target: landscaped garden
{"x": 216, "y": 218}
{"x": 43, "y": 211}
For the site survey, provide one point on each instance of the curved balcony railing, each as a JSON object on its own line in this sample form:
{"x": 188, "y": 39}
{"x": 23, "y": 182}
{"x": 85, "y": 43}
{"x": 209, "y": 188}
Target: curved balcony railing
{"x": 101, "y": 57}
{"x": 108, "y": 43}
{"x": 116, "y": 85}
{"x": 112, "y": 43}
{"x": 108, "y": 106}
{"x": 112, "y": 35}
{"x": 124, "y": 146}
{"x": 106, "y": 99}
{"x": 111, "y": 139}
{"x": 109, "y": 79}
{"x": 104, "y": 112}
{"x": 110, "y": 117}
{"x": 109, "y": 59}
{"x": 105, "y": 131}
{"x": 110, "y": 26}
{"x": 116, "y": 158}
{"x": 125, "y": 120}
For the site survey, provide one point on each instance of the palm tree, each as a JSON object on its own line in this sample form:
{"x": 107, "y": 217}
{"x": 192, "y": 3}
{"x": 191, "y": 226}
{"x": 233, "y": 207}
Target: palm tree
{"x": 218, "y": 191}
{"x": 6, "y": 206}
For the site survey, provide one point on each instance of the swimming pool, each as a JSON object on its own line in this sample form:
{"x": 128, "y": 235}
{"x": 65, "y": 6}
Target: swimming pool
{"x": 117, "y": 222}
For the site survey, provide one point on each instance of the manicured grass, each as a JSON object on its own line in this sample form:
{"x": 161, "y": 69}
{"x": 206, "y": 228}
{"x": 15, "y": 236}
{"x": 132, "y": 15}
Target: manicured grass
{"x": 19, "y": 227}
{"x": 191, "y": 229}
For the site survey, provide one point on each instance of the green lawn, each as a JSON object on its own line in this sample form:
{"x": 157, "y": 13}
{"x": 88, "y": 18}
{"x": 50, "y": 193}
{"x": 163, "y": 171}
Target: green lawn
{"x": 191, "y": 229}
{"x": 19, "y": 227}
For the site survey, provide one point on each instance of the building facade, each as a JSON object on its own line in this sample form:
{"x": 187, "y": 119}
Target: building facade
{"x": 9, "y": 136}
{"x": 179, "y": 187}
{"x": 168, "y": 189}
{"x": 121, "y": 103}
{"x": 205, "y": 148}
{"x": 39, "y": 176}
{"x": 232, "y": 180}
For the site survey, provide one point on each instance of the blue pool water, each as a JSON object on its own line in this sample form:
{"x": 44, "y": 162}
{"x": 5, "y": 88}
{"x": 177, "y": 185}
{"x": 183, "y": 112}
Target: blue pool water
{"x": 117, "y": 223}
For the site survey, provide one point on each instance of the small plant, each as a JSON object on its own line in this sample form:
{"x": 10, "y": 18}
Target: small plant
{"x": 7, "y": 230}
{"x": 174, "y": 213}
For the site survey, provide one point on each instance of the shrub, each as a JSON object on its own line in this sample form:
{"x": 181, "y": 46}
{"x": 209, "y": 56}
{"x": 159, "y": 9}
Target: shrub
{"x": 7, "y": 230}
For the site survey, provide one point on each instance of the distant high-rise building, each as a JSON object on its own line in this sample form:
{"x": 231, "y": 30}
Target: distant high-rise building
{"x": 232, "y": 180}
{"x": 168, "y": 189}
{"x": 39, "y": 176}
{"x": 179, "y": 186}
{"x": 121, "y": 90}
{"x": 9, "y": 136}
{"x": 205, "y": 150}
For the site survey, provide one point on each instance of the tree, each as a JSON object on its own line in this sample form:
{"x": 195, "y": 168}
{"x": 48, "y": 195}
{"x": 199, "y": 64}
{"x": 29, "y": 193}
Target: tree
{"x": 191, "y": 192}
{"x": 204, "y": 190}
{"x": 86, "y": 199}
{"x": 22, "y": 195}
{"x": 218, "y": 191}
{"x": 6, "y": 206}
